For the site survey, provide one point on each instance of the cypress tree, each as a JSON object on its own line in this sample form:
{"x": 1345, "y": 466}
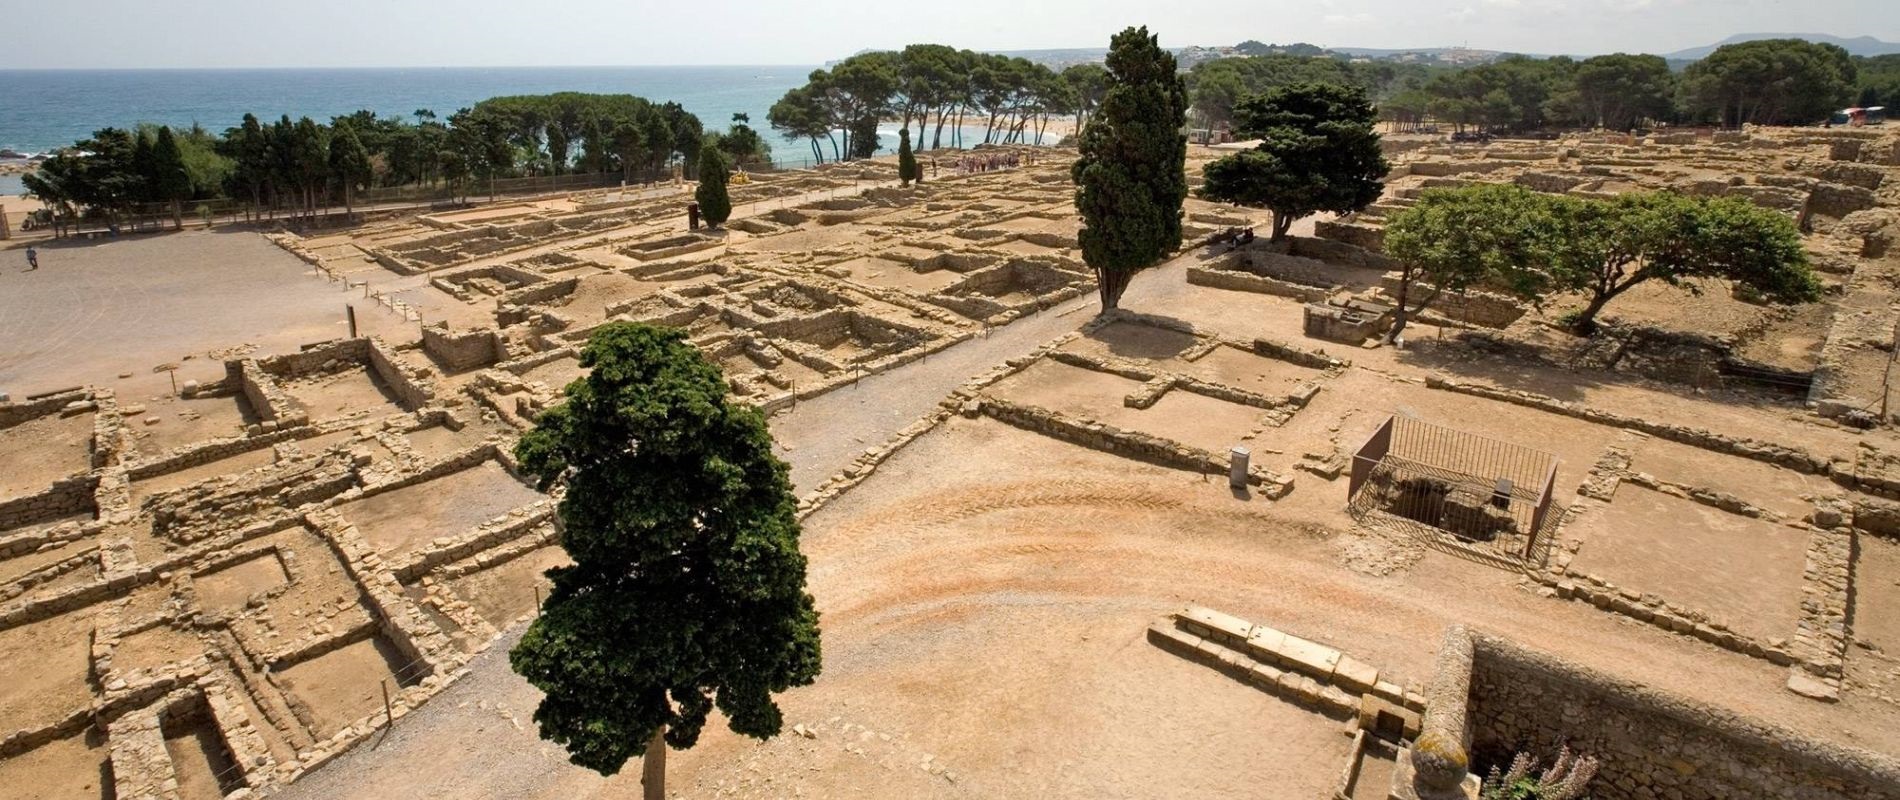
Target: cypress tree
{"x": 349, "y": 163}
{"x": 906, "y": 160}
{"x": 715, "y": 206}
{"x": 171, "y": 181}
{"x": 1131, "y": 177}
{"x": 687, "y": 589}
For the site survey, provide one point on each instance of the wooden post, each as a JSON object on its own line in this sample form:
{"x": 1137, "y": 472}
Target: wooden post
{"x": 350, "y": 311}
{"x": 389, "y": 711}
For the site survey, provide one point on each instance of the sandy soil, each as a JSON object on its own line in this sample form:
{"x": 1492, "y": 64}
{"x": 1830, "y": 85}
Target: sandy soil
{"x": 43, "y": 450}
{"x": 345, "y": 684}
{"x": 398, "y": 521}
{"x": 1743, "y": 571}
{"x": 182, "y": 294}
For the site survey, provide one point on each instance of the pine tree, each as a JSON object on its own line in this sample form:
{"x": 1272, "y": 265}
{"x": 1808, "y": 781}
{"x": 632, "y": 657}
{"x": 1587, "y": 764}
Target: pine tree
{"x": 1318, "y": 152}
{"x": 906, "y": 160}
{"x": 687, "y": 589}
{"x": 715, "y": 206}
{"x": 1131, "y": 177}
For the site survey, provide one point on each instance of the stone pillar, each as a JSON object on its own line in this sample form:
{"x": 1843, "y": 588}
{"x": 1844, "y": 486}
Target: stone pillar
{"x": 1439, "y": 765}
{"x": 1237, "y": 460}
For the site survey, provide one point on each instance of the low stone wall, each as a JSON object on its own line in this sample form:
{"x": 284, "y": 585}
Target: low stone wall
{"x": 1790, "y": 457}
{"x": 1651, "y": 744}
{"x": 461, "y": 350}
{"x": 408, "y": 383}
{"x": 1358, "y": 235}
{"x": 63, "y": 499}
{"x": 12, "y": 414}
{"x": 1236, "y": 280}
{"x": 1129, "y": 444}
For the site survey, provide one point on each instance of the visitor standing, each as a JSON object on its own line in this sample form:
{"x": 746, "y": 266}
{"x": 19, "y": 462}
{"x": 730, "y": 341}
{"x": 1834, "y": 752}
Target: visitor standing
{"x": 32, "y": 258}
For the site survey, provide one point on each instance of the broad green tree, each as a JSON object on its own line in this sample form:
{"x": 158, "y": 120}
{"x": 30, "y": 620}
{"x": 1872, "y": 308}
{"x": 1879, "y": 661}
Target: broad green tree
{"x": 1318, "y": 152}
{"x": 1604, "y": 247}
{"x": 1492, "y": 235}
{"x": 687, "y": 590}
{"x": 906, "y": 160}
{"x": 1131, "y": 176}
{"x": 1769, "y": 82}
{"x": 1619, "y": 90}
{"x": 715, "y": 205}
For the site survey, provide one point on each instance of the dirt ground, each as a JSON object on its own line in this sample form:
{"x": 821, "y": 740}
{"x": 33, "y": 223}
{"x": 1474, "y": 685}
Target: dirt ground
{"x": 96, "y": 309}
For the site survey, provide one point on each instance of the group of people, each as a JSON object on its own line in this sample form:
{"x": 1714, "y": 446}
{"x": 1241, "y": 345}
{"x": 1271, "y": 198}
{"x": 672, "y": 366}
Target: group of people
{"x": 1232, "y": 237}
{"x": 988, "y": 162}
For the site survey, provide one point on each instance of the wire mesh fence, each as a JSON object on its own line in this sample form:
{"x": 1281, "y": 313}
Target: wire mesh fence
{"x": 1487, "y": 497}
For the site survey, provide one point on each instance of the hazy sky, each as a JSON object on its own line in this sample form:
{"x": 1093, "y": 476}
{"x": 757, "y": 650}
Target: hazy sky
{"x": 329, "y": 33}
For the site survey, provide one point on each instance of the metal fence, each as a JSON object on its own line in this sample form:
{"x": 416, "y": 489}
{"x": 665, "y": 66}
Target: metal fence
{"x": 1481, "y": 496}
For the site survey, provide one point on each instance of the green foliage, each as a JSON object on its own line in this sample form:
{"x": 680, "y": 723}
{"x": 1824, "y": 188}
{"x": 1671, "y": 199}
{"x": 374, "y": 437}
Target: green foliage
{"x": 742, "y": 145}
{"x": 839, "y": 107}
{"x": 1130, "y": 178}
{"x": 1769, "y": 82}
{"x": 1218, "y": 87}
{"x": 170, "y": 180}
{"x": 715, "y": 206}
{"x": 1879, "y": 82}
{"x": 687, "y": 588}
{"x": 1495, "y": 236}
{"x": 1604, "y": 247}
{"x": 1506, "y": 238}
{"x": 349, "y": 161}
{"x": 1318, "y": 152}
{"x": 906, "y": 160}
{"x": 1620, "y": 90}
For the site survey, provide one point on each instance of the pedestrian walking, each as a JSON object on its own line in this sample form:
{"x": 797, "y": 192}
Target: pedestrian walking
{"x": 32, "y": 258}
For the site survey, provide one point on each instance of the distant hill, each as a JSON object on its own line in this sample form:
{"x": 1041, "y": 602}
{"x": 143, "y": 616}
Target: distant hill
{"x": 1859, "y": 45}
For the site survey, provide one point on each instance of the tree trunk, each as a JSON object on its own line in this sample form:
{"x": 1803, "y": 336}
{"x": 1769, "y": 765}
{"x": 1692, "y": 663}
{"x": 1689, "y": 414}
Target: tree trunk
{"x": 653, "y": 767}
{"x": 1586, "y": 322}
{"x": 1110, "y": 284}
{"x": 178, "y": 215}
{"x": 1281, "y": 224}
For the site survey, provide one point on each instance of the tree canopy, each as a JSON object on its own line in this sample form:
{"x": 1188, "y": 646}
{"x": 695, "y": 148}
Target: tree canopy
{"x": 1531, "y": 245}
{"x": 687, "y": 590}
{"x": 836, "y": 108}
{"x": 289, "y": 166}
{"x": 1131, "y": 176}
{"x": 1769, "y": 82}
{"x": 1318, "y": 152}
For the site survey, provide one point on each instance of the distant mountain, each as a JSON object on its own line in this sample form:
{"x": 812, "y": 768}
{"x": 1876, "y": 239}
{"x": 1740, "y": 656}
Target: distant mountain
{"x": 1858, "y": 46}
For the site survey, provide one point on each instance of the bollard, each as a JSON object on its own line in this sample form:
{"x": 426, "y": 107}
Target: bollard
{"x": 1237, "y": 467}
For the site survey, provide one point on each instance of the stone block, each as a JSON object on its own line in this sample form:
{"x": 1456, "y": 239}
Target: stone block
{"x": 1310, "y": 658}
{"x": 1354, "y": 675}
{"x": 1217, "y": 622}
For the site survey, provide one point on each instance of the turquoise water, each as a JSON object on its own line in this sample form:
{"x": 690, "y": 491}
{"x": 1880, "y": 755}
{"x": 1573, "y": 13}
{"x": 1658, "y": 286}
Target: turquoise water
{"x": 44, "y": 109}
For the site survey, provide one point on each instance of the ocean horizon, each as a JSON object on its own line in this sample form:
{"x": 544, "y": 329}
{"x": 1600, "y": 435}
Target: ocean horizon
{"x": 48, "y": 109}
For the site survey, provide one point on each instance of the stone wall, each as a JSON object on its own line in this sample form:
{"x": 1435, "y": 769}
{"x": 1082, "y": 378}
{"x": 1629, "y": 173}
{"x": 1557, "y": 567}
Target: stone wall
{"x": 1653, "y": 745}
{"x": 460, "y": 350}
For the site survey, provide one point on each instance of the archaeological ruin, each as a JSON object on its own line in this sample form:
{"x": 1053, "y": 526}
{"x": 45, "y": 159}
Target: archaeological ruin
{"x": 253, "y": 566}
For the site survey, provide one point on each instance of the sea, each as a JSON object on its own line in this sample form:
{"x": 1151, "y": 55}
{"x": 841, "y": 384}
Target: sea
{"x": 45, "y": 109}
